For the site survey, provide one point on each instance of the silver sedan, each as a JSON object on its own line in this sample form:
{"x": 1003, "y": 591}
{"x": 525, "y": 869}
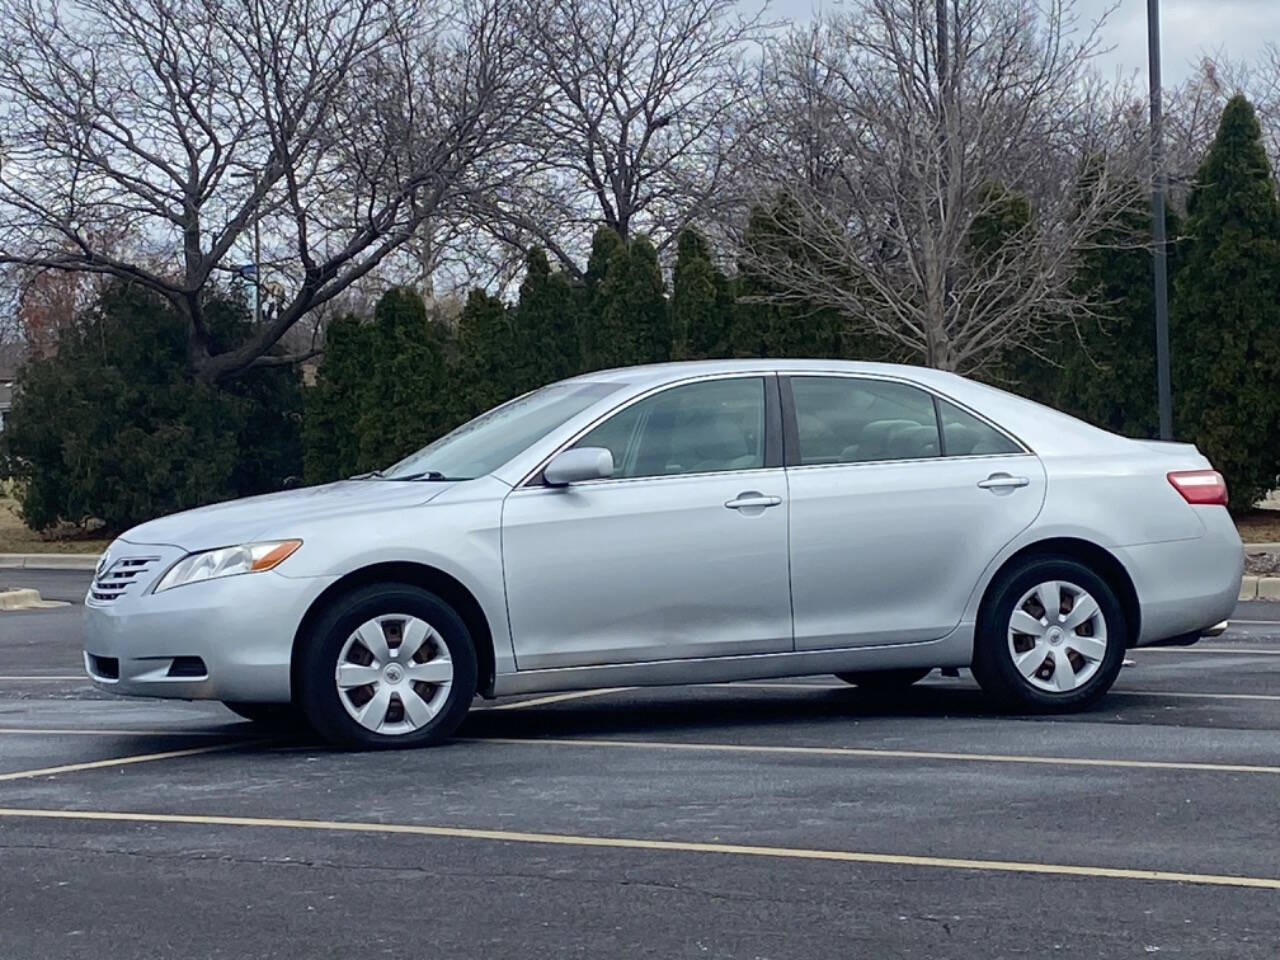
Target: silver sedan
{"x": 683, "y": 523}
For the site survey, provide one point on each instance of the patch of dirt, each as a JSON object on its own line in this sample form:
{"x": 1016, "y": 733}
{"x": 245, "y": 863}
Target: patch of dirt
{"x": 1259, "y": 526}
{"x": 15, "y": 537}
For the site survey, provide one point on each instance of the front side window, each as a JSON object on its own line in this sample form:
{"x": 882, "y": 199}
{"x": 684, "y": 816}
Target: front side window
{"x": 849, "y": 420}
{"x": 706, "y": 427}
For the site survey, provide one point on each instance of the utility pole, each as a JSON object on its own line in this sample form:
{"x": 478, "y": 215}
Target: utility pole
{"x": 257, "y": 243}
{"x": 257, "y": 254}
{"x": 1159, "y": 253}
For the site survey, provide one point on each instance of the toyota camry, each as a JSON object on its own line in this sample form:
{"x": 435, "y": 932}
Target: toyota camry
{"x": 681, "y": 523}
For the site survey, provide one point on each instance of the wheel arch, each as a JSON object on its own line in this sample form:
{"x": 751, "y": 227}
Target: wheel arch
{"x": 444, "y": 585}
{"x": 1099, "y": 559}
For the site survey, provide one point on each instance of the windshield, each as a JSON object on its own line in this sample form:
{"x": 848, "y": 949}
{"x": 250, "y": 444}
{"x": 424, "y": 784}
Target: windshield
{"x": 482, "y": 445}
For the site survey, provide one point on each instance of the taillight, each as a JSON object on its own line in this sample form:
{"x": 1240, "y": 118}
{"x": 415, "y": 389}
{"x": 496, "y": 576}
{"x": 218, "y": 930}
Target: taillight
{"x": 1200, "y": 486}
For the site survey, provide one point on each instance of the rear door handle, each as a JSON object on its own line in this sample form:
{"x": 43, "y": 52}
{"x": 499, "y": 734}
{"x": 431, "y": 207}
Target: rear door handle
{"x": 1002, "y": 481}
{"x": 752, "y": 499}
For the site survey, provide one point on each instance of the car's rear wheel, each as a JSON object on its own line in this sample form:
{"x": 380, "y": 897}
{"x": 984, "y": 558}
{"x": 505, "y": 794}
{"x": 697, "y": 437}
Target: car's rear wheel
{"x": 388, "y": 665}
{"x": 282, "y": 715}
{"x": 1051, "y": 636}
{"x": 883, "y": 680}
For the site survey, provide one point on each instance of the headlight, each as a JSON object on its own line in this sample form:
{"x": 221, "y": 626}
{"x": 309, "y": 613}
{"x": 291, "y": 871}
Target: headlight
{"x": 228, "y": 562}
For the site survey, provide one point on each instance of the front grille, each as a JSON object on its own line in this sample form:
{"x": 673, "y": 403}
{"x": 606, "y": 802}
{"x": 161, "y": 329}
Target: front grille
{"x": 118, "y": 577}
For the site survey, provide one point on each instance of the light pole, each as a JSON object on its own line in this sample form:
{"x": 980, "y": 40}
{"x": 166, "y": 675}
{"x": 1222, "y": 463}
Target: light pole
{"x": 257, "y": 244}
{"x": 1159, "y": 253}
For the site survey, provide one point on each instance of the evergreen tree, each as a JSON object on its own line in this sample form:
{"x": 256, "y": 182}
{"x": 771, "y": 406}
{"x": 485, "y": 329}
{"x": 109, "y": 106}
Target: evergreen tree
{"x": 632, "y": 326}
{"x": 1225, "y": 324}
{"x": 1104, "y": 369}
{"x": 701, "y": 301}
{"x": 404, "y": 403}
{"x": 114, "y": 426}
{"x": 484, "y": 372}
{"x": 331, "y": 427}
{"x": 605, "y": 243}
{"x": 545, "y": 326}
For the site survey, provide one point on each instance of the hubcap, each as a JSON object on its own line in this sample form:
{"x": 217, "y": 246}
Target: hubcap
{"x": 1057, "y": 636}
{"x": 394, "y": 674}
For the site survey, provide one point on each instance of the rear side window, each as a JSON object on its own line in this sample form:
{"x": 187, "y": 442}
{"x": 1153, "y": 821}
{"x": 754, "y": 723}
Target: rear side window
{"x": 849, "y": 420}
{"x": 964, "y": 435}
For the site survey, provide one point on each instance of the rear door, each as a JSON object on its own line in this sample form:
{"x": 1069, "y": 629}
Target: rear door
{"x": 899, "y": 499}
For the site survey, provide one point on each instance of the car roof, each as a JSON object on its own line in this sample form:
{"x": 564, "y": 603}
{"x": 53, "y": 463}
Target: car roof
{"x": 656, "y": 373}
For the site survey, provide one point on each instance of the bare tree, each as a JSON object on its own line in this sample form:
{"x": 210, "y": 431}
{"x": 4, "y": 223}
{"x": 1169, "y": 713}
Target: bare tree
{"x": 1196, "y": 106}
{"x": 640, "y": 119}
{"x": 960, "y": 168}
{"x": 332, "y": 128}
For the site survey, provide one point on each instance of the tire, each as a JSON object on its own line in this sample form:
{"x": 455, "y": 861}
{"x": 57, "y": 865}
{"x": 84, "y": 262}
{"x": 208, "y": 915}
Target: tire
{"x": 281, "y": 715}
{"x": 1080, "y": 662}
{"x": 884, "y": 681}
{"x": 413, "y": 699}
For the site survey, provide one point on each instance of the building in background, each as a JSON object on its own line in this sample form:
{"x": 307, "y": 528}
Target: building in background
{"x": 11, "y": 355}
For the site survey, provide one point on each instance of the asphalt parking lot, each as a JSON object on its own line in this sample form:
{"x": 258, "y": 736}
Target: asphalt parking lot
{"x": 778, "y": 820}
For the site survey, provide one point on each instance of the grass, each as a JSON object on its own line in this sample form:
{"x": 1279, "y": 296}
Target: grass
{"x": 15, "y": 537}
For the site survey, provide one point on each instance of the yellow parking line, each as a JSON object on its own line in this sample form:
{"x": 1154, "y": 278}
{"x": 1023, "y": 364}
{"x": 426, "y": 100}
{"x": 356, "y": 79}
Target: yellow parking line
{"x": 879, "y": 753}
{"x": 557, "y": 698}
{"x": 671, "y": 846}
{"x": 117, "y": 761}
{"x": 79, "y": 732}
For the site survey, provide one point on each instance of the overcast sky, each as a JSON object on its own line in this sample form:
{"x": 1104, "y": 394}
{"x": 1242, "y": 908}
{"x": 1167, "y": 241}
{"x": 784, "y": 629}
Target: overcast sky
{"x": 1191, "y": 28}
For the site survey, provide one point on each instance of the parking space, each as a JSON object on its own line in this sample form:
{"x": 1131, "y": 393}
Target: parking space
{"x": 770, "y": 819}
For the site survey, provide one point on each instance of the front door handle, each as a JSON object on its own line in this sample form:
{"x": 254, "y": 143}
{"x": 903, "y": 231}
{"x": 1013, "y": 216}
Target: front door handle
{"x": 1003, "y": 481}
{"x": 745, "y": 501}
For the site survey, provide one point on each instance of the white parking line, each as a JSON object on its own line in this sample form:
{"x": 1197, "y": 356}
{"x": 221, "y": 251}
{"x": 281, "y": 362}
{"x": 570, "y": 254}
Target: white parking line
{"x": 117, "y": 761}
{"x": 1194, "y": 696}
{"x": 1188, "y": 694}
{"x": 1208, "y": 650}
{"x": 559, "y": 697}
{"x": 79, "y": 732}
{"x": 877, "y": 753}
{"x": 46, "y": 677}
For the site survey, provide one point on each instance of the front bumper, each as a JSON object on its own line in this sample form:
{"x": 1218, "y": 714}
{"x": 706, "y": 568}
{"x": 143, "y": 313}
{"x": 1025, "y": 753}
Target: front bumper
{"x": 228, "y": 639}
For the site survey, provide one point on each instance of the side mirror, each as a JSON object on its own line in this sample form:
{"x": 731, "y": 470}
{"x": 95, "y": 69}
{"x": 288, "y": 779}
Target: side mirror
{"x": 574, "y": 466}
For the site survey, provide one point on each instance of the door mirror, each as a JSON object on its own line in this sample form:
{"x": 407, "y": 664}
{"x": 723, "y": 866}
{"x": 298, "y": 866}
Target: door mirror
{"x": 581, "y": 463}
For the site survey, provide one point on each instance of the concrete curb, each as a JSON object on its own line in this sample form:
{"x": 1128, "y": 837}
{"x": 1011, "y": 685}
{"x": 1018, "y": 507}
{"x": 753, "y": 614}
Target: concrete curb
{"x": 1260, "y": 588}
{"x": 23, "y": 598}
{"x": 48, "y": 561}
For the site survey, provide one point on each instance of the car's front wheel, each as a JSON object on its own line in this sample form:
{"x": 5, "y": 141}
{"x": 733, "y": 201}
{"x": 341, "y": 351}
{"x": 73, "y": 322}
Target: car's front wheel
{"x": 387, "y": 665}
{"x": 1051, "y": 636}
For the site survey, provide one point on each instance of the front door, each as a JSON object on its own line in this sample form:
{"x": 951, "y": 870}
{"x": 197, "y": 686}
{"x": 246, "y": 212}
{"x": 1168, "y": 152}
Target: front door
{"x": 899, "y": 500}
{"x": 682, "y": 554}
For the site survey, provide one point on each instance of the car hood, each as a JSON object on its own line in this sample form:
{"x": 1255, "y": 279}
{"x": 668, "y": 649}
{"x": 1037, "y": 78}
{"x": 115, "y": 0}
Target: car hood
{"x": 279, "y": 515}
